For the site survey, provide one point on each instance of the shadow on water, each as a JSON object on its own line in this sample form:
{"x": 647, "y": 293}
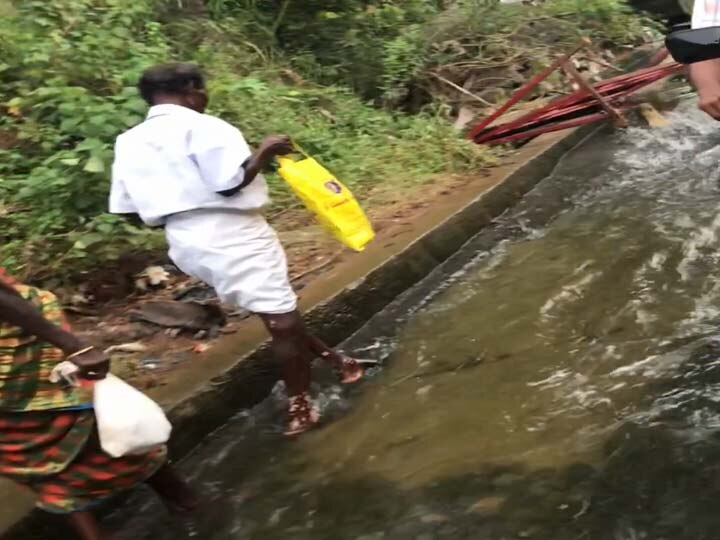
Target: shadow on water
{"x": 557, "y": 379}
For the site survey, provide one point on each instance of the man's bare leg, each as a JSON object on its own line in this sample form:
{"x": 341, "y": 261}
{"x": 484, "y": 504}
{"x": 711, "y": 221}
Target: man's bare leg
{"x": 290, "y": 348}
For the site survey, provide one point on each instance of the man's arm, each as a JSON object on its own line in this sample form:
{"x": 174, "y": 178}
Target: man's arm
{"x": 276, "y": 145}
{"x": 705, "y": 76}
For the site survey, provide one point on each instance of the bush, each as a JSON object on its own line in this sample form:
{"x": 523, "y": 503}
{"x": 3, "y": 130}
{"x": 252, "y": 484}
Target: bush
{"x": 67, "y": 88}
{"x": 68, "y": 69}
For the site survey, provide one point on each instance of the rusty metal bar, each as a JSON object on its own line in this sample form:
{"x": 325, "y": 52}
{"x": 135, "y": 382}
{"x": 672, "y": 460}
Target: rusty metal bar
{"x": 527, "y": 88}
{"x": 617, "y": 117}
{"x": 567, "y": 124}
{"x": 538, "y": 121}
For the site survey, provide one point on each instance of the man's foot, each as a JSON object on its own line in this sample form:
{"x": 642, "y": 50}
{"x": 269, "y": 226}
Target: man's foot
{"x": 302, "y": 414}
{"x": 348, "y": 370}
{"x": 351, "y": 370}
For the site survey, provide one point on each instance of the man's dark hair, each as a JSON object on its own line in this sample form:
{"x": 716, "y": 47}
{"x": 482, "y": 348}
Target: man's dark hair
{"x": 173, "y": 78}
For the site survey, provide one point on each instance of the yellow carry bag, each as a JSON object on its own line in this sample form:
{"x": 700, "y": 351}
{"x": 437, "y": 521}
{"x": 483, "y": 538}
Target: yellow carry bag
{"x": 333, "y": 204}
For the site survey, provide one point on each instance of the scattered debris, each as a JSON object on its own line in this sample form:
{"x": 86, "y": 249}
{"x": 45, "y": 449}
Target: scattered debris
{"x": 200, "y": 348}
{"x": 79, "y": 299}
{"x": 135, "y": 347}
{"x": 192, "y": 316}
{"x": 151, "y": 277}
{"x": 652, "y": 116}
{"x": 200, "y": 292}
{"x": 85, "y": 312}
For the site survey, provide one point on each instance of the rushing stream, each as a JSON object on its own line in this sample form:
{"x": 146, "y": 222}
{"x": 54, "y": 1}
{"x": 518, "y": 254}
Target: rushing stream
{"x": 559, "y": 379}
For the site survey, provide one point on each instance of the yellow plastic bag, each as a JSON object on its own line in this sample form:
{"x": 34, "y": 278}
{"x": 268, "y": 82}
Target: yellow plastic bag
{"x": 333, "y": 204}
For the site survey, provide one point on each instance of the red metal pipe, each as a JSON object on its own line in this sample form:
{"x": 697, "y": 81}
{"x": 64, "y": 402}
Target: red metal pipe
{"x": 527, "y": 88}
{"x": 617, "y": 116}
{"x": 550, "y": 128}
{"x": 613, "y": 90}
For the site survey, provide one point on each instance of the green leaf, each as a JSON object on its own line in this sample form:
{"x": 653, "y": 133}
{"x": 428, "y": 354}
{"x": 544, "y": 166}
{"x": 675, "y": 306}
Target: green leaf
{"x": 90, "y": 144}
{"x": 87, "y": 240}
{"x": 70, "y": 124}
{"x": 70, "y": 161}
{"x": 94, "y": 165}
{"x": 131, "y": 119}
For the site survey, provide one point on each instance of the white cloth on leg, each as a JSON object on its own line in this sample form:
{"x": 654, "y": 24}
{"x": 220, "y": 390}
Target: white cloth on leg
{"x": 237, "y": 253}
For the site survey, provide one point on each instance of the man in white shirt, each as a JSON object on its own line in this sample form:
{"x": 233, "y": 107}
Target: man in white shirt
{"x": 706, "y": 75}
{"x": 195, "y": 175}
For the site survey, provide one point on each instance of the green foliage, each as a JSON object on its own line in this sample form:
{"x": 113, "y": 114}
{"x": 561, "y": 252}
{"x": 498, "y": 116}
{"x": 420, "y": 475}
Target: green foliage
{"x": 68, "y": 69}
{"x": 66, "y": 84}
{"x": 344, "y": 39}
{"x": 477, "y": 42}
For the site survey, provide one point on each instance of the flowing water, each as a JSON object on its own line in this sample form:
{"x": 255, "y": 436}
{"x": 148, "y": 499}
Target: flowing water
{"x": 558, "y": 379}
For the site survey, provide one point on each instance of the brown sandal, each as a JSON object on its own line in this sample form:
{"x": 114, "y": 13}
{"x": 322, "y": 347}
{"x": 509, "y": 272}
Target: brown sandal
{"x": 302, "y": 414}
{"x": 351, "y": 370}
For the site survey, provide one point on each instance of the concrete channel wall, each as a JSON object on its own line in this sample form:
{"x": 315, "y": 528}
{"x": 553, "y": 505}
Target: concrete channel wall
{"x": 239, "y": 373}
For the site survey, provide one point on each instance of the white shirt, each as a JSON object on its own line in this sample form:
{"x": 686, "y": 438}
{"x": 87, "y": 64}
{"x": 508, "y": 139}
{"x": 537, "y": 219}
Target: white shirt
{"x": 706, "y": 13}
{"x": 178, "y": 160}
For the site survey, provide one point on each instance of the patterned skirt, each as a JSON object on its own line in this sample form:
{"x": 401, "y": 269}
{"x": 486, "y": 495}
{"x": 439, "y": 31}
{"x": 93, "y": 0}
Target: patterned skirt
{"x": 57, "y": 455}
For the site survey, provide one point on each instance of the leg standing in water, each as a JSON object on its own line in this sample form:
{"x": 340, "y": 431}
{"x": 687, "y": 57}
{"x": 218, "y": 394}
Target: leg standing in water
{"x": 48, "y": 437}
{"x": 196, "y": 175}
{"x": 295, "y": 348}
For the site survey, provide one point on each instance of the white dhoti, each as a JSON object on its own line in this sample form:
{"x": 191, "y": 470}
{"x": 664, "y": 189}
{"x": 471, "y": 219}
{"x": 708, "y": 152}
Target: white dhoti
{"x": 235, "y": 252}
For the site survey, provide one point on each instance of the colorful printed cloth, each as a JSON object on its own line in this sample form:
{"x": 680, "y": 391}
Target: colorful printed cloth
{"x": 57, "y": 455}
{"x": 45, "y": 447}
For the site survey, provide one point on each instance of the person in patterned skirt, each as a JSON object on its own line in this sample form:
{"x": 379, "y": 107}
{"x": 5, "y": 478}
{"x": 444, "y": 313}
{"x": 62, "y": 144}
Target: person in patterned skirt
{"x": 48, "y": 437}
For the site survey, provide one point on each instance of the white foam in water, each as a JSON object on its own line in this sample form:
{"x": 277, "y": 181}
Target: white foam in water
{"x": 704, "y": 237}
{"x": 556, "y": 379}
{"x": 571, "y": 293}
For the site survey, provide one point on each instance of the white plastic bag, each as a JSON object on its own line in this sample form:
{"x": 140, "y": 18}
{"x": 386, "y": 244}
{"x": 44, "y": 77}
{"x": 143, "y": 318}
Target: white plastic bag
{"x": 128, "y": 421}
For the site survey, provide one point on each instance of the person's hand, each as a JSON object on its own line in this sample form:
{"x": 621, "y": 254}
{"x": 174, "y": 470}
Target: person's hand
{"x": 710, "y": 100}
{"x": 277, "y": 145}
{"x": 705, "y": 76}
{"x": 93, "y": 364}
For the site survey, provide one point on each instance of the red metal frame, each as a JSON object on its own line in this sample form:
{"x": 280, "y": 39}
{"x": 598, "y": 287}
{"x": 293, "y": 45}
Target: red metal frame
{"x": 589, "y": 104}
